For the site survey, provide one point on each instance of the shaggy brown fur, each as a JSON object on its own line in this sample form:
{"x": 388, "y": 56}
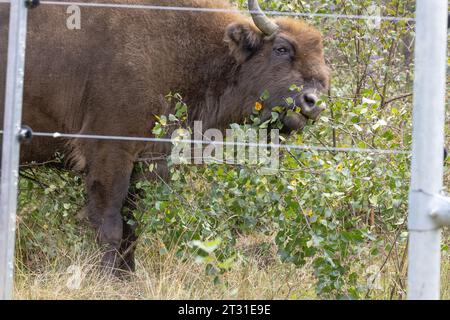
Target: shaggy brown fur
{"x": 110, "y": 78}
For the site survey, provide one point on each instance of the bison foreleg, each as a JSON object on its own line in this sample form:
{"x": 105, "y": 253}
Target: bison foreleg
{"x": 108, "y": 179}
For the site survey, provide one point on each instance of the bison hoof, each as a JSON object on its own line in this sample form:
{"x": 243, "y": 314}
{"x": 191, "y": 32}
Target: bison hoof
{"x": 113, "y": 264}
{"x": 127, "y": 265}
{"x": 109, "y": 261}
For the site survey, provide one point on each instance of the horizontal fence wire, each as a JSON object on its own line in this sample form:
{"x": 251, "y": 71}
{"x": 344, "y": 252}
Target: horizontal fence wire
{"x": 57, "y": 135}
{"x": 221, "y": 10}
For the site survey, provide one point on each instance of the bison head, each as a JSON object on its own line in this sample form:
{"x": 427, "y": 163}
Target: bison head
{"x": 284, "y": 58}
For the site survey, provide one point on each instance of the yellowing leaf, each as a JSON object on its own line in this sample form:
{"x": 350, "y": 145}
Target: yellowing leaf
{"x": 308, "y": 212}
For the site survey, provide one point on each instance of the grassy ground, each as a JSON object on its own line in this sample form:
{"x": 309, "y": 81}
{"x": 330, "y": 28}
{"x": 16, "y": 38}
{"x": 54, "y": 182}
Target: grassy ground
{"x": 73, "y": 275}
{"x": 162, "y": 277}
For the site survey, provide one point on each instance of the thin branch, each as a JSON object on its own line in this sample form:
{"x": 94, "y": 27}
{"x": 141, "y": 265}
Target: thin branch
{"x": 404, "y": 96}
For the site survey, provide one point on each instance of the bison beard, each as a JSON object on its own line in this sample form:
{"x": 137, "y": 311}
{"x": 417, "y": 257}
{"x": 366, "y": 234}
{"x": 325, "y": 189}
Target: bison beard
{"x": 110, "y": 78}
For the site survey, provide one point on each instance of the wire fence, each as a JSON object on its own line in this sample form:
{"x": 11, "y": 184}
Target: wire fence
{"x": 58, "y": 135}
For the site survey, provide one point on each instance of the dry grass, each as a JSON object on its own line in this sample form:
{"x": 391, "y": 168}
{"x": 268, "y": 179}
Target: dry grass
{"x": 261, "y": 276}
{"x": 163, "y": 277}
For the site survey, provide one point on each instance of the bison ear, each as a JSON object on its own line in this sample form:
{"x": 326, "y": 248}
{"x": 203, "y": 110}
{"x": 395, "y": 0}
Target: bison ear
{"x": 243, "y": 40}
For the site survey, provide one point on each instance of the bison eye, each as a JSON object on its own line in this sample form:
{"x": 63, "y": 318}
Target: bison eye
{"x": 281, "y": 51}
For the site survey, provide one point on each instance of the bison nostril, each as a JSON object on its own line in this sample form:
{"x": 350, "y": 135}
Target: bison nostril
{"x": 310, "y": 99}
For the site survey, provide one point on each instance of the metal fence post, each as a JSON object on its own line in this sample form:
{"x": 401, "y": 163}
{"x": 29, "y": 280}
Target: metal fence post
{"x": 428, "y": 143}
{"x": 11, "y": 143}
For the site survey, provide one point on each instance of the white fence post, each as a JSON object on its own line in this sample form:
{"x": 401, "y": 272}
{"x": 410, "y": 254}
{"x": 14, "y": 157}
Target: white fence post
{"x": 11, "y": 143}
{"x": 428, "y": 143}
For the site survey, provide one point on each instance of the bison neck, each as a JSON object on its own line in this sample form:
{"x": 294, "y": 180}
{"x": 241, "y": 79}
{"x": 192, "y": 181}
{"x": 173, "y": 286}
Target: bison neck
{"x": 219, "y": 103}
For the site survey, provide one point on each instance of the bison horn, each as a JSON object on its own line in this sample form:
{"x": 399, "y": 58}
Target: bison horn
{"x": 267, "y": 26}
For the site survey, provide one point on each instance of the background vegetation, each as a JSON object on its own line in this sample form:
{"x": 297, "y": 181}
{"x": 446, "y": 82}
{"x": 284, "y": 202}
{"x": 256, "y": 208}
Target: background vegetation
{"x": 329, "y": 225}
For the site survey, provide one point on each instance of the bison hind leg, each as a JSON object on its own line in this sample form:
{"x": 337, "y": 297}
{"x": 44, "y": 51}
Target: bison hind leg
{"x": 130, "y": 239}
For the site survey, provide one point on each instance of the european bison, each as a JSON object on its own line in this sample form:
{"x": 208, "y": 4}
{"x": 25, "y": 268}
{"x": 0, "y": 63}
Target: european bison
{"x": 111, "y": 77}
